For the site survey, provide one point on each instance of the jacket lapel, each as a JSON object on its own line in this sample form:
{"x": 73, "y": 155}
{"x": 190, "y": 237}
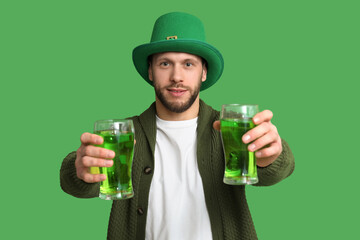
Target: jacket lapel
{"x": 148, "y": 122}
{"x": 205, "y": 135}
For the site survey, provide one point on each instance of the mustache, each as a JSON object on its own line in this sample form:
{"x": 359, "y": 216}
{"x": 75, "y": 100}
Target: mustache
{"x": 177, "y": 85}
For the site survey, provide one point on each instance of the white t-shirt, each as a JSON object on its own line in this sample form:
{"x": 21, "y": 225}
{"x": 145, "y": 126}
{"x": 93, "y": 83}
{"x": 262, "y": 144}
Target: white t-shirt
{"x": 177, "y": 207}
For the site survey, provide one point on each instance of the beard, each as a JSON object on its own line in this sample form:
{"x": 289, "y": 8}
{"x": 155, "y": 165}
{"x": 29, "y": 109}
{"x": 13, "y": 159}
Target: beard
{"x": 177, "y": 107}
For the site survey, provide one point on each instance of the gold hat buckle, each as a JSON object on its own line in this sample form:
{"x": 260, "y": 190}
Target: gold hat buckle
{"x": 171, "y": 37}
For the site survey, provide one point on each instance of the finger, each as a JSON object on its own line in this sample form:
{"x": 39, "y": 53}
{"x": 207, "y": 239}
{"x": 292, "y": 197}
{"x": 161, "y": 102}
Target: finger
{"x": 257, "y": 132}
{"x": 272, "y": 150}
{"x": 216, "y": 125}
{"x": 261, "y": 142}
{"x": 264, "y": 116}
{"x": 84, "y": 174}
{"x": 92, "y": 178}
{"x": 89, "y": 138}
{"x": 98, "y": 152}
{"x": 96, "y": 162}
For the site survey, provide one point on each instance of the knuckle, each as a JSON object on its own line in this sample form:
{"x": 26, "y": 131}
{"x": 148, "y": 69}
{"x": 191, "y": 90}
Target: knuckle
{"x": 278, "y": 147}
{"x": 275, "y": 149}
{"x": 259, "y": 144}
{"x": 102, "y": 152}
{"x": 93, "y": 138}
{"x": 97, "y": 178}
{"x": 81, "y": 162}
{"x": 272, "y": 150}
{"x": 274, "y": 128}
{"x": 263, "y": 125}
{"x": 78, "y": 152}
{"x": 262, "y": 128}
{"x": 88, "y": 161}
{"x": 274, "y": 136}
{"x": 88, "y": 151}
{"x": 267, "y": 125}
{"x": 94, "y": 162}
{"x": 267, "y": 152}
{"x": 262, "y": 153}
{"x": 80, "y": 173}
{"x": 101, "y": 163}
{"x": 88, "y": 177}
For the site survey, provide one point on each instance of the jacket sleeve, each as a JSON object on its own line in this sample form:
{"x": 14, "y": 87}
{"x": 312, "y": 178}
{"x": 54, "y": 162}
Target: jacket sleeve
{"x": 71, "y": 184}
{"x": 280, "y": 169}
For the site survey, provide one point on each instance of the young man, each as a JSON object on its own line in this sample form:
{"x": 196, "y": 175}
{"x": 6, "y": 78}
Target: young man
{"x": 178, "y": 164}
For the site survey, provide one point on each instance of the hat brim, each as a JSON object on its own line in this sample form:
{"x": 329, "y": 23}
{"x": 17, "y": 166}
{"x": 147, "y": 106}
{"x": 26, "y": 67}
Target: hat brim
{"x": 209, "y": 53}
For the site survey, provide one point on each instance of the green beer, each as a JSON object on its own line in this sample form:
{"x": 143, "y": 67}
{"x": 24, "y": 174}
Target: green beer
{"x": 118, "y": 176}
{"x": 240, "y": 164}
{"x": 118, "y": 135}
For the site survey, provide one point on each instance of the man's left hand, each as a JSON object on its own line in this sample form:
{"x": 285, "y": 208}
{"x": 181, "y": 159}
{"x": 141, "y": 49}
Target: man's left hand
{"x": 264, "y": 138}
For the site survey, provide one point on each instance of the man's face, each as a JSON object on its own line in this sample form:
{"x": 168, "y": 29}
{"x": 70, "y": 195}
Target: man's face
{"x": 177, "y": 79}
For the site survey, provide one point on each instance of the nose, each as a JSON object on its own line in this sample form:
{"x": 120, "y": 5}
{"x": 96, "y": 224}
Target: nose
{"x": 177, "y": 74}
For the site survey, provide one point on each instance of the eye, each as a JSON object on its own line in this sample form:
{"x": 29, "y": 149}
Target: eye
{"x": 165, "y": 64}
{"x": 188, "y": 64}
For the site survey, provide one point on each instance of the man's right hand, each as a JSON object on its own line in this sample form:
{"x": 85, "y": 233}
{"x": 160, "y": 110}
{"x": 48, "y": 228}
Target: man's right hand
{"x": 88, "y": 156}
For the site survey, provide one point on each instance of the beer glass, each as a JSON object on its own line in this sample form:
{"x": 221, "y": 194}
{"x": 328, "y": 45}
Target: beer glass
{"x": 240, "y": 164}
{"x": 118, "y": 135}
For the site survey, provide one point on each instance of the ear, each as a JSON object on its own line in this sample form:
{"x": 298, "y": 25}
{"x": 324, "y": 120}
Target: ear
{"x": 150, "y": 73}
{"x": 204, "y": 73}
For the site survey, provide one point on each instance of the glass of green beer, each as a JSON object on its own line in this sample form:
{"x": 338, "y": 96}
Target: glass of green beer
{"x": 118, "y": 135}
{"x": 240, "y": 164}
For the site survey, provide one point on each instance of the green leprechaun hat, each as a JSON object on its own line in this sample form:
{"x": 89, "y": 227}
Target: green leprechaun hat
{"x": 179, "y": 32}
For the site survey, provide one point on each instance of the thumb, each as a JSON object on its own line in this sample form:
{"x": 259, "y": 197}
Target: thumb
{"x": 216, "y": 125}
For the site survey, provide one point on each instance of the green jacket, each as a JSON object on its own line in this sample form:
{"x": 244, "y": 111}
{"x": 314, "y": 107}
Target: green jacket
{"x": 229, "y": 214}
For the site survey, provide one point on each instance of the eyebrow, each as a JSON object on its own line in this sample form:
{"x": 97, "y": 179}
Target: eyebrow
{"x": 169, "y": 60}
{"x": 192, "y": 59}
{"x": 162, "y": 59}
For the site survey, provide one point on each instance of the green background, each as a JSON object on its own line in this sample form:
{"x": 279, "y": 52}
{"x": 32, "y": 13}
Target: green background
{"x": 65, "y": 64}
